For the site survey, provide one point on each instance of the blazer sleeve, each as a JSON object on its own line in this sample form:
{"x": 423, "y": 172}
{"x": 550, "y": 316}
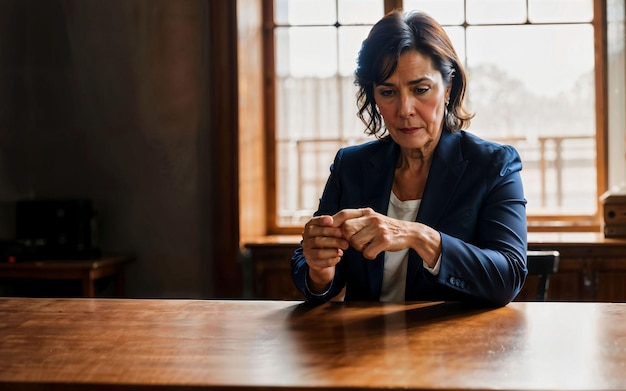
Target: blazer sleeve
{"x": 484, "y": 251}
{"x": 328, "y": 205}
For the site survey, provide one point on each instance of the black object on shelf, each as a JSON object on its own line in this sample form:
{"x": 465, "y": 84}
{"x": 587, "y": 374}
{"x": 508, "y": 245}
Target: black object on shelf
{"x": 56, "y": 229}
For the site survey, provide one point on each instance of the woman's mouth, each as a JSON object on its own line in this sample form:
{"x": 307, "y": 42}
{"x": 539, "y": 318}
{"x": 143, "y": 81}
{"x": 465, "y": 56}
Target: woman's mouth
{"x": 411, "y": 130}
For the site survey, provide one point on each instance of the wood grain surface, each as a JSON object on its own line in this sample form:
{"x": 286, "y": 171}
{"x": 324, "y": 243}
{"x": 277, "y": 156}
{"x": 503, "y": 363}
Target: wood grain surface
{"x": 98, "y": 344}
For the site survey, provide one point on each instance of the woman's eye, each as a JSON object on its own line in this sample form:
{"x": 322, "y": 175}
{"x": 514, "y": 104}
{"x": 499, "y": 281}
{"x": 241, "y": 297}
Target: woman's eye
{"x": 421, "y": 90}
{"x": 385, "y": 92}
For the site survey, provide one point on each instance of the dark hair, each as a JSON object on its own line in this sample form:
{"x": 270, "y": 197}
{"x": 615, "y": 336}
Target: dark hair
{"x": 390, "y": 37}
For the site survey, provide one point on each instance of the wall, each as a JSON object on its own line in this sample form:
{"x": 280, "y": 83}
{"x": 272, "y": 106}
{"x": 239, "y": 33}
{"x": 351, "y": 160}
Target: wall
{"x": 110, "y": 100}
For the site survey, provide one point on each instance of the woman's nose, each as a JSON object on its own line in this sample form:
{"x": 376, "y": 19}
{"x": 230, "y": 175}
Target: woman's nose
{"x": 407, "y": 106}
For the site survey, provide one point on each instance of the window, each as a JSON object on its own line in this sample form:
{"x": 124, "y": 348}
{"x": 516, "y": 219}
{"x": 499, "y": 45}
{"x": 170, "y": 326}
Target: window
{"x": 535, "y": 82}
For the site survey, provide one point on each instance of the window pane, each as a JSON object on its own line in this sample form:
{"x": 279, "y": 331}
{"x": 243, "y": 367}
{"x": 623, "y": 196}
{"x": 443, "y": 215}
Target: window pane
{"x": 552, "y": 11}
{"x": 315, "y": 116}
{"x": 306, "y": 51}
{"x": 531, "y": 86}
{"x": 457, "y": 37}
{"x": 305, "y": 12}
{"x": 303, "y": 169}
{"x": 616, "y": 73}
{"x": 496, "y": 11}
{"x": 308, "y": 107}
{"x": 350, "y": 39}
{"x": 360, "y": 11}
{"x": 523, "y": 52}
{"x": 444, "y": 11}
{"x": 316, "y": 104}
{"x": 543, "y": 107}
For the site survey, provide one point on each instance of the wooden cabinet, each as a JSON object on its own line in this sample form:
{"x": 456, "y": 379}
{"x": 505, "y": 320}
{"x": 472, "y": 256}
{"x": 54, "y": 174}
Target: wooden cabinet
{"x": 270, "y": 274}
{"x": 591, "y": 267}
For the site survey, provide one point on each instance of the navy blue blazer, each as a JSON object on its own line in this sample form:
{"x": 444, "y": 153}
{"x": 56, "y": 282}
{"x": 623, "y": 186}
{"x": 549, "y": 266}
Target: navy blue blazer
{"x": 473, "y": 196}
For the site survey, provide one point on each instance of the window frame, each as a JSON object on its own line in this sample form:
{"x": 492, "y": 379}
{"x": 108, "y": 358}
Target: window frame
{"x": 536, "y": 223}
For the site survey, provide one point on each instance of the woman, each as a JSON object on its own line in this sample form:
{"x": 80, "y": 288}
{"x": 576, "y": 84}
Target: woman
{"x": 427, "y": 211}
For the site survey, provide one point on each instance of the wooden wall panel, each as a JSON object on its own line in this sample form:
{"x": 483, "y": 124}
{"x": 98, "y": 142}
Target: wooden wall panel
{"x": 252, "y": 169}
{"x": 224, "y": 176}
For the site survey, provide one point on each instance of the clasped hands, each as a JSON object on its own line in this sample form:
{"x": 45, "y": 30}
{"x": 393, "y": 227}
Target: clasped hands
{"x": 325, "y": 238}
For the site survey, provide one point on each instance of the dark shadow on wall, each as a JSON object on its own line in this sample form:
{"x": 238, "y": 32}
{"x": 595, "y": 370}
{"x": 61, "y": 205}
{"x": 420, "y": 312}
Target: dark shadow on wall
{"x": 106, "y": 100}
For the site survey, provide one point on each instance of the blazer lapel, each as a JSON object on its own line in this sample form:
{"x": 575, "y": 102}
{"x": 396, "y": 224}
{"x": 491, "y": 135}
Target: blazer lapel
{"x": 445, "y": 173}
{"x": 446, "y": 170}
{"x": 379, "y": 178}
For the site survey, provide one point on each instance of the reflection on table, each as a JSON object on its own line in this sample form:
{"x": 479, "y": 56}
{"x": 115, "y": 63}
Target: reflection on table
{"x": 210, "y": 344}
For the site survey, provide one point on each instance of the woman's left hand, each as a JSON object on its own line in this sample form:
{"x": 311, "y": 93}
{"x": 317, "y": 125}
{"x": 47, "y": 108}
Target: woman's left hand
{"x": 372, "y": 233}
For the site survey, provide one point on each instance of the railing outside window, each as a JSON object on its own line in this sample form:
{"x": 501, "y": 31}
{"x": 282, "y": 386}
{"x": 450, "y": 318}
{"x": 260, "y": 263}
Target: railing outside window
{"x": 558, "y": 170}
{"x": 533, "y": 83}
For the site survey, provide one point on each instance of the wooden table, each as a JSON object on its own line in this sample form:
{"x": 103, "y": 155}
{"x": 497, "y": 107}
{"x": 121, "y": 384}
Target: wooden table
{"x": 101, "y": 344}
{"x": 87, "y": 271}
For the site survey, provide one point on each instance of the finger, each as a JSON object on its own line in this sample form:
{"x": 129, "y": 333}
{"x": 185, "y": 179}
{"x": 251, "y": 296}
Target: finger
{"x": 326, "y": 241}
{"x": 319, "y": 232}
{"x": 324, "y": 258}
{"x": 324, "y": 263}
{"x": 324, "y": 220}
{"x": 361, "y": 240}
{"x": 358, "y": 230}
{"x": 372, "y": 249}
{"x": 346, "y": 214}
{"x": 321, "y": 221}
{"x": 320, "y": 226}
{"x": 379, "y": 242}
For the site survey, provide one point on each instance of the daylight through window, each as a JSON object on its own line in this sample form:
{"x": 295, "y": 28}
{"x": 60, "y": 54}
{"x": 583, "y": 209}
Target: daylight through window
{"x": 531, "y": 76}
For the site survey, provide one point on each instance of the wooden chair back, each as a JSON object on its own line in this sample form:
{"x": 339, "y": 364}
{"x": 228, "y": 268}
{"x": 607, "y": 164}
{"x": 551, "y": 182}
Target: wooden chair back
{"x": 542, "y": 263}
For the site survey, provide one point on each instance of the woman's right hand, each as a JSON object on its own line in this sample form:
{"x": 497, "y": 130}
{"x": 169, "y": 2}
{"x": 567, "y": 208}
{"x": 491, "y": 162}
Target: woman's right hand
{"x": 322, "y": 246}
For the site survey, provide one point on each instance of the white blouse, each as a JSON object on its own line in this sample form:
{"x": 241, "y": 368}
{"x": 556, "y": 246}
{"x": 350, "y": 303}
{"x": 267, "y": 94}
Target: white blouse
{"x": 394, "y": 274}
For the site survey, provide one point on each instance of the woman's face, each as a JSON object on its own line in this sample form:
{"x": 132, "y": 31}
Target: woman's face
{"x": 412, "y": 102}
